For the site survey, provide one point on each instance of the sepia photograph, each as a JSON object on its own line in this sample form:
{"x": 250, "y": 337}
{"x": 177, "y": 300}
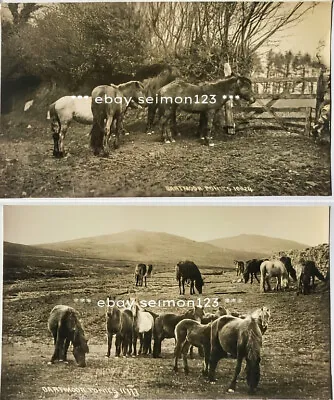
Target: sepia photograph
{"x": 165, "y": 99}
{"x": 166, "y": 302}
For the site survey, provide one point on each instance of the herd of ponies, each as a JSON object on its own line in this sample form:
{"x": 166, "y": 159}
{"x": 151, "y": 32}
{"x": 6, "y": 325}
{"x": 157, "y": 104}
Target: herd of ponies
{"x": 163, "y": 94}
{"x": 217, "y": 335}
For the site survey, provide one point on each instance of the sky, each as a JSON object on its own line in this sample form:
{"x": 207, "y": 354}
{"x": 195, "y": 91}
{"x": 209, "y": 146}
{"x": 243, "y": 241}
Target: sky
{"x": 305, "y": 35}
{"x": 45, "y": 224}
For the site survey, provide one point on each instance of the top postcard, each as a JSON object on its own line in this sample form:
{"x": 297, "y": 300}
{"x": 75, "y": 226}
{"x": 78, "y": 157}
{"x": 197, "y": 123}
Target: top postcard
{"x": 165, "y": 99}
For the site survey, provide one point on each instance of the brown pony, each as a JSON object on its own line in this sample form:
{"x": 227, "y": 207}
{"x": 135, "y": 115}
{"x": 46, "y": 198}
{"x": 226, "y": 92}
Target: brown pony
{"x": 164, "y": 326}
{"x": 205, "y": 99}
{"x": 120, "y": 323}
{"x": 106, "y": 114}
{"x": 242, "y": 338}
{"x": 65, "y": 327}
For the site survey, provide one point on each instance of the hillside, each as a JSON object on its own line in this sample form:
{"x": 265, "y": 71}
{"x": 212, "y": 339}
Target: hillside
{"x": 136, "y": 245}
{"x": 262, "y": 245}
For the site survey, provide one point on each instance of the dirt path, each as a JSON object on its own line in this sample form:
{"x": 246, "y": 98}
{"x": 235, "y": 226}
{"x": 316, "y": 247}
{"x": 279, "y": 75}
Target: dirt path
{"x": 295, "y": 360}
{"x": 252, "y": 163}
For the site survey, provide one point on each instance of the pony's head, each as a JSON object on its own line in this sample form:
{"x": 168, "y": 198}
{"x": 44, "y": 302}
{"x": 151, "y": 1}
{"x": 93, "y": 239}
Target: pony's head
{"x": 284, "y": 282}
{"x": 198, "y": 313}
{"x": 262, "y": 315}
{"x": 80, "y": 347}
{"x": 244, "y": 89}
{"x": 199, "y": 283}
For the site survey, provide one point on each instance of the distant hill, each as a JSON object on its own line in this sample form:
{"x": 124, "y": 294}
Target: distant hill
{"x": 135, "y": 245}
{"x": 263, "y": 245}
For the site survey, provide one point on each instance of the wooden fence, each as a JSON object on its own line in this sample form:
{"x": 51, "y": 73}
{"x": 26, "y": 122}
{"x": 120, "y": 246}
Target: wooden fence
{"x": 271, "y": 94}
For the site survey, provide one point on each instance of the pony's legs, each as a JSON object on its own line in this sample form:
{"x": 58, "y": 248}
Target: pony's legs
{"x": 141, "y": 340}
{"x": 236, "y": 374}
{"x": 62, "y": 135}
{"x": 192, "y": 288}
{"x": 209, "y": 130}
{"x": 206, "y": 349}
{"x": 157, "y": 346}
{"x": 262, "y": 284}
{"x": 177, "y": 352}
{"x": 267, "y": 280}
{"x": 255, "y": 275}
{"x": 252, "y": 277}
{"x": 109, "y": 344}
{"x": 147, "y": 342}
{"x": 216, "y": 353}
{"x": 59, "y": 345}
{"x": 151, "y": 110}
{"x": 134, "y": 342}
{"x": 145, "y": 281}
{"x": 118, "y": 344}
{"x": 66, "y": 346}
{"x": 107, "y": 128}
{"x": 185, "y": 350}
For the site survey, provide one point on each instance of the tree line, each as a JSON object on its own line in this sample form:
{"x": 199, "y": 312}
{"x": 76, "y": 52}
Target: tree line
{"x": 76, "y": 43}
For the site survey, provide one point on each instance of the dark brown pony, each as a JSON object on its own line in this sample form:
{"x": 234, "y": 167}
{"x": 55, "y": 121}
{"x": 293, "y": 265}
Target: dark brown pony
{"x": 65, "y": 328}
{"x": 205, "y": 99}
{"x": 242, "y": 338}
{"x": 306, "y": 272}
{"x": 188, "y": 271}
{"x": 151, "y": 87}
{"x": 142, "y": 272}
{"x": 120, "y": 323}
{"x": 164, "y": 326}
{"x": 105, "y": 114}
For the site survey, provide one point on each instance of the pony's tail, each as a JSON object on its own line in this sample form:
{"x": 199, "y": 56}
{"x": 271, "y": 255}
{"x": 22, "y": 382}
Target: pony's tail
{"x": 53, "y": 116}
{"x": 177, "y": 273}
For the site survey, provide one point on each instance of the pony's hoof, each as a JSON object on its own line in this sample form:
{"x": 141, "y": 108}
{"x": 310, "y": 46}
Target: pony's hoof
{"x": 107, "y": 356}
{"x": 211, "y": 144}
{"x": 173, "y": 140}
{"x": 230, "y": 390}
{"x": 167, "y": 141}
{"x": 50, "y": 363}
{"x": 126, "y": 133}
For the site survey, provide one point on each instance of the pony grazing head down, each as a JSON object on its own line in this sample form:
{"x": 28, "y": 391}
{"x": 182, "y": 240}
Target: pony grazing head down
{"x": 80, "y": 347}
{"x": 199, "y": 283}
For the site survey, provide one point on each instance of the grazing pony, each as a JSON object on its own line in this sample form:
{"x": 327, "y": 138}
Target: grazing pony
{"x": 106, "y": 114}
{"x": 65, "y": 327}
{"x": 287, "y": 263}
{"x": 241, "y": 338}
{"x": 142, "y": 327}
{"x": 164, "y": 326}
{"x": 205, "y": 99}
{"x": 307, "y": 271}
{"x": 187, "y": 270}
{"x": 66, "y": 110}
{"x": 119, "y": 323}
{"x": 142, "y": 272}
{"x": 239, "y": 267}
{"x": 252, "y": 268}
{"x": 276, "y": 269}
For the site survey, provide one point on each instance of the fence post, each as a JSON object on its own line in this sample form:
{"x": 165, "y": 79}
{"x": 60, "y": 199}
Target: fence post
{"x": 229, "y": 118}
{"x": 308, "y": 117}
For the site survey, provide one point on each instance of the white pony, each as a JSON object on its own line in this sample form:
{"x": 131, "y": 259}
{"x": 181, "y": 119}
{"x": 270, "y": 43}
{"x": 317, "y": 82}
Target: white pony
{"x": 276, "y": 269}
{"x": 142, "y": 328}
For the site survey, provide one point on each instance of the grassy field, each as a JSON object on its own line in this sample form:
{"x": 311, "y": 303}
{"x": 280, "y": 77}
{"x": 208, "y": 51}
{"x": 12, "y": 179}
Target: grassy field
{"x": 295, "y": 356}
